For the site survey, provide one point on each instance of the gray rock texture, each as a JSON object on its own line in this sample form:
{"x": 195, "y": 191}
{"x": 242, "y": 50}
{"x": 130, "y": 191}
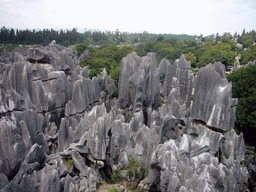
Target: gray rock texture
{"x": 142, "y": 88}
{"x": 62, "y": 131}
{"x": 213, "y": 97}
{"x": 179, "y": 165}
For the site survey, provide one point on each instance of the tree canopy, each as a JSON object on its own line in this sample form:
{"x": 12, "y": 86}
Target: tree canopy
{"x": 244, "y": 88}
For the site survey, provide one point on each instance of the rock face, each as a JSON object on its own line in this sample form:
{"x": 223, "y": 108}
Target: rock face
{"x": 62, "y": 131}
{"x": 203, "y": 156}
{"x": 142, "y": 88}
{"x": 213, "y": 97}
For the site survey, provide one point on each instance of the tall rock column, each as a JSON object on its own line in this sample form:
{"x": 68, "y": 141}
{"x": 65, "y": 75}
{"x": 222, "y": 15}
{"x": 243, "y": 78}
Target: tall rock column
{"x": 213, "y": 97}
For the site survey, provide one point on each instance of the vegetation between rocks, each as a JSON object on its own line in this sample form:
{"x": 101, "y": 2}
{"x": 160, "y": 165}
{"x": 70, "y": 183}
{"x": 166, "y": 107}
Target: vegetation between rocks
{"x": 69, "y": 162}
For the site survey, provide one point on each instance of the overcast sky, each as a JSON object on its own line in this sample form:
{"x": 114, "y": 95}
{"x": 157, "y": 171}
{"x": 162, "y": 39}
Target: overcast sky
{"x": 193, "y": 17}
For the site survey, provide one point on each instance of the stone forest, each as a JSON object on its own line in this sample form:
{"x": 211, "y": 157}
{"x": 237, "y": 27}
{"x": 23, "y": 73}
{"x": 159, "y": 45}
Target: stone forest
{"x": 61, "y": 130}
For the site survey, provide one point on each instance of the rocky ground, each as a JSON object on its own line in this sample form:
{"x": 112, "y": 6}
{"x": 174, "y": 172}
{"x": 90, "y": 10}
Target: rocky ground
{"x": 61, "y": 131}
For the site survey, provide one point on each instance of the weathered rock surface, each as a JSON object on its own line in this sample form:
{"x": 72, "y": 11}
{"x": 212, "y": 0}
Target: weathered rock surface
{"x": 62, "y": 131}
{"x": 181, "y": 166}
{"x": 213, "y": 97}
{"x": 142, "y": 88}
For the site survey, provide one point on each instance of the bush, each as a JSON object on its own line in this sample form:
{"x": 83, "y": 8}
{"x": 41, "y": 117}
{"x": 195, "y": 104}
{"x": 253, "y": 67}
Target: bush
{"x": 136, "y": 169}
{"x": 160, "y": 104}
{"x": 69, "y": 162}
{"x": 116, "y": 177}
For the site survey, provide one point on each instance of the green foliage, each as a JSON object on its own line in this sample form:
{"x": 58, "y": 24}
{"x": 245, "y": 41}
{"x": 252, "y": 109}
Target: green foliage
{"x": 201, "y": 64}
{"x": 114, "y": 73}
{"x": 43, "y": 37}
{"x": 246, "y": 41}
{"x": 160, "y": 39}
{"x": 220, "y": 52}
{"x": 130, "y": 173}
{"x": 108, "y": 57}
{"x": 248, "y": 55}
{"x": 192, "y": 58}
{"x": 173, "y": 42}
{"x": 81, "y": 48}
{"x": 244, "y": 88}
{"x": 122, "y": 52}
{"x": 69, "y": 162}
{"x": 113, "y": 190}
{"x": 148, "y": 47}
{"x": 226, "y": 155}
{"x": 160, "y": 104}
{"x": 10, "y": 47}
{"x": 116, "y": 177}
{"x": 136, "y": 169}
{"x": 140, "y": 50}
{"x": 194, "y": 70}
{"x": 164, "y": 50}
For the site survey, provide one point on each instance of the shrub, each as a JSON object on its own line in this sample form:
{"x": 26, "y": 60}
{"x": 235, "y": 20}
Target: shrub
{"x": 137, "y": 169}
{"x": 69, "y": 162}
{"x": 160, "y": 104}
{"x": 116, "y": 177}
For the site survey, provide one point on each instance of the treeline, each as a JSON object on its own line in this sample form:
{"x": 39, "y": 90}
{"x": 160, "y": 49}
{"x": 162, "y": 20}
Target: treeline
{"x": 71, "y": 37}
{"x": 199, "y": 50}
{"x": 42, "y": 37}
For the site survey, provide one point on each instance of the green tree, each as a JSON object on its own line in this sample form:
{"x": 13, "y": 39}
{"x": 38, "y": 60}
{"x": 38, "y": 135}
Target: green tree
{"x": 201, "y": 64}
{"x": 243, "y": 33}
{"x": 248, "y": 40}
{"x": 160, "y": 39}
{"x": 140, "y": 50}
{"x": 248, "y": 55}
{"x": 192, "y": 58}
{"x": 220, "y": 52}
{"x": 81, "y": 48}
{"x": 244, "y": 88}
{"x": 148, "y": 47}
{"x": 173, "y": 42}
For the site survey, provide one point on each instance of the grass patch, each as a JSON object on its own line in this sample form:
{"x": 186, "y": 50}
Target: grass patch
{"x": 136, "y": 169}
{"x": 113, "y": 190}
{"x": 116, "y": 177}
{"x": 69, "y": 162}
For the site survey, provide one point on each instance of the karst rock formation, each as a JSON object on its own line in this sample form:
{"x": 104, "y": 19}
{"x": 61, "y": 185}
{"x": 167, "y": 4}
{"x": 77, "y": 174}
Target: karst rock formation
{"x": 178, "y": 124}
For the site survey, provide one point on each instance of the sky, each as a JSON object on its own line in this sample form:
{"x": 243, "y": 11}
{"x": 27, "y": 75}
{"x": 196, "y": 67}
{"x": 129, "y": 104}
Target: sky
{"x": 192, "y": 17}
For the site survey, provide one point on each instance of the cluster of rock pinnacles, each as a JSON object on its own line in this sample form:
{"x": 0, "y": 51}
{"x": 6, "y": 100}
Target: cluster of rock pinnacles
{"x": 178, "y": 124}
